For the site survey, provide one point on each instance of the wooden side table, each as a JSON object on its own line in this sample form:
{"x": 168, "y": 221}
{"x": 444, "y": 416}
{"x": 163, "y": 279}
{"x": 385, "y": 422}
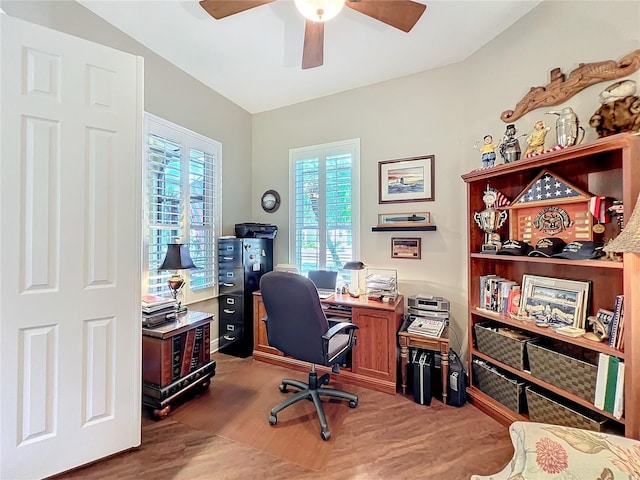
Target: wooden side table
{"x": 440, "y": 344}
{"x": 176, "y": 359}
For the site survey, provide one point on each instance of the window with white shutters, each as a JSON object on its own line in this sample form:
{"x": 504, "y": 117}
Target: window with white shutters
{"x": 324, "y": 221}
{"x": 182, "y": 191}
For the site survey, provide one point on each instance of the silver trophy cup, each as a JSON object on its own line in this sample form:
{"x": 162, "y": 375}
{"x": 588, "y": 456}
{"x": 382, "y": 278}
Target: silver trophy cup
{"x": 489, "y": 220}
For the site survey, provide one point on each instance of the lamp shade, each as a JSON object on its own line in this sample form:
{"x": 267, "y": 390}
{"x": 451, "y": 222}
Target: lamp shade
{"x": 629, "y": 239}
{"x": 177, "y": 258}
{"x": 353, "y": 266}
{"x": 319, "y": 10}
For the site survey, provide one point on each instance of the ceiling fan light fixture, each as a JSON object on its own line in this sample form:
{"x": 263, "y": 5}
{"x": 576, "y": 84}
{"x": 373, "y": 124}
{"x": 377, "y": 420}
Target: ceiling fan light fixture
{"x": 319, "y": 10}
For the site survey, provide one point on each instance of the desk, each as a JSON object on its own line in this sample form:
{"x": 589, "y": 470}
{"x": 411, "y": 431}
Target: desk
{"x": 176, "y": 359}
{"x": 441, "y": 345}
{"x": 374, "y": 359}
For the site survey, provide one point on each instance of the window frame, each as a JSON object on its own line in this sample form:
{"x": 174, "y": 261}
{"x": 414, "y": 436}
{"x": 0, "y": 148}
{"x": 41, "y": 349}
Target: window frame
{"x": 322, "y": 151}
{"x": 189, "y": 140}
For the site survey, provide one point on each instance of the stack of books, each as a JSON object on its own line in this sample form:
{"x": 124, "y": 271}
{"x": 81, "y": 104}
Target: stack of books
{"x": 157, "y": 310}
{"x": 427, "y": 327}
{"x": 609, "y": 395}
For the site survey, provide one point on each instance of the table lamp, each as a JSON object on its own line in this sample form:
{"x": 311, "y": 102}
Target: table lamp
{"x": 177, "y": 258}
{"x": 629, "y": 239}
{"x": 357, "y": 268}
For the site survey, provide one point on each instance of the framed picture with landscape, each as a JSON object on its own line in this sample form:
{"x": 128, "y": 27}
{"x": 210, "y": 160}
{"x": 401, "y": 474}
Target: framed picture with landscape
{"x": 406, "y": 180}
{"x": 554, "y": 301}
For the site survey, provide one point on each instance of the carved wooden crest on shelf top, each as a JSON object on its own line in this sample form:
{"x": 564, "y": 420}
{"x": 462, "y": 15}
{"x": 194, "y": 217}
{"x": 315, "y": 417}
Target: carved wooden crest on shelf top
{"x": 560, "y": 88}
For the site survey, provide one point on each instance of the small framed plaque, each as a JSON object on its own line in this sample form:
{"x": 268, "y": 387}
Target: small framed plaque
{"x": 406, "y": 248}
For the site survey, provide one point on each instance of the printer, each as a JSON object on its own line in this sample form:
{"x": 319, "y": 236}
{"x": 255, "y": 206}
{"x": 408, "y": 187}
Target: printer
{"x": 256, "y": 230}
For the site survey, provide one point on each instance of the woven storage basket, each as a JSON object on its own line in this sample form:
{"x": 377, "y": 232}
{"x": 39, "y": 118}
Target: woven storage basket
{"x": 571, "y": 374}
{"x": 544, "y": 409}
{"x": 497, "y": 385}
{"x": 502, "y": 347}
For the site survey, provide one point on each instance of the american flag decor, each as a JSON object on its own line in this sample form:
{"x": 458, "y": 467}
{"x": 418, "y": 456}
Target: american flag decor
{"x": 501, "y": 200}
{"x": 548, "y": 187}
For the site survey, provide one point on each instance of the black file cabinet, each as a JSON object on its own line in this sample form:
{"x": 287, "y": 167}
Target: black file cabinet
{"x": 241, "y": 264}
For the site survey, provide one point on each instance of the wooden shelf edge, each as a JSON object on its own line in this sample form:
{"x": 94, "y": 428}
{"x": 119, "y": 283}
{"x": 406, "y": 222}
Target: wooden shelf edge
{"x": 417, "y": 228}
{"x": 547, "y": 332}
{"x": 554, "y": 261}
{"x": 610, "y": 143}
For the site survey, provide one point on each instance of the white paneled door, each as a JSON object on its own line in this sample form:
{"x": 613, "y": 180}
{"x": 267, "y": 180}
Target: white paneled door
{"x": 70, "y": 242}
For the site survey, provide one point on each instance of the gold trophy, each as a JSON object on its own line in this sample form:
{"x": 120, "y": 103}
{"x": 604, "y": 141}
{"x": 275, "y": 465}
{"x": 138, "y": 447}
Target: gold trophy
{"x": 490, "y": 220}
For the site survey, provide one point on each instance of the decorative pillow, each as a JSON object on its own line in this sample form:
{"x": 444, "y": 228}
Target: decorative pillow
{"x": 545, "y": 451}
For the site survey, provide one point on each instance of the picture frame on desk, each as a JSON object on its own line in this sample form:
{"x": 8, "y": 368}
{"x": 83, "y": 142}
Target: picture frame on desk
{"x": 555, "y": 301}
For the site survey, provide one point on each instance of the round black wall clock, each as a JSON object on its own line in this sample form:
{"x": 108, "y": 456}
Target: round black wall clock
{"x": 270, "y": 201}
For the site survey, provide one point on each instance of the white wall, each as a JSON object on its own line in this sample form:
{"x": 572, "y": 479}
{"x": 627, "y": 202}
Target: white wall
{"x": 444, "y": 112}
{"x": 169, "y": 93}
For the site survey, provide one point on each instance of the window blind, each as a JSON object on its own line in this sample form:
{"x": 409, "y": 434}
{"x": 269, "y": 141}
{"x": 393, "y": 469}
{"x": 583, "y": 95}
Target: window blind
{"x": 323, "y": 219}
{"x": 182, "y": 204}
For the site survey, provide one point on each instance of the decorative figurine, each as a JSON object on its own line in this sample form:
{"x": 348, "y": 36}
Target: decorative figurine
{"x": 620, "y": 110}
{"x": 536, "y": 139}
{"x": 488, "y": 151}
{"x": 567, "y": 127}
{"x": 510, "y": 146}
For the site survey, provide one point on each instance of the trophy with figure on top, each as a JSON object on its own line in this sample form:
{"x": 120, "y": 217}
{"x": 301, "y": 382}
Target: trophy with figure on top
{"x": 490, "y": 220}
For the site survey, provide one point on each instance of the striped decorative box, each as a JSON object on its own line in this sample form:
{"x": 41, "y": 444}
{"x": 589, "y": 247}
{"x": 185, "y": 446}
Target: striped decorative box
{"x": 499, "y": 386}
{"x": 505, "y": 345}
{"x": 548, "y": 408}
{"x": 569, "y": 373}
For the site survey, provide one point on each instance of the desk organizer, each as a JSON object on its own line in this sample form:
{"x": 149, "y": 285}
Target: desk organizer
{"x": 503, "y": 344}
{"x": 499, "y": 386}
{"x": 571, "y": 374}
{"x": 547, "y": 408}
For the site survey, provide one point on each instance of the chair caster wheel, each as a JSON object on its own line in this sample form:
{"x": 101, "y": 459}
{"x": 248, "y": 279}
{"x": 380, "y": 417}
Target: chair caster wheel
{"x": 326, "y": 435}
{"x": 353, "y": 403}
{"x": 283, "y": 388}
{"x": 273, "y": 419}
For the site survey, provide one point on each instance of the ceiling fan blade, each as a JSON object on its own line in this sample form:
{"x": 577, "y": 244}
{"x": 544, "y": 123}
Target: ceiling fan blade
{"x": 313, "y": 49}
{"x": 401, "y": 14}
{"x": 223, "y": 8}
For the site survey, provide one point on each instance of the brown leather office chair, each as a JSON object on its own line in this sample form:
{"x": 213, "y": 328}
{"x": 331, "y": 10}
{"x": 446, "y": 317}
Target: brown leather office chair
{"x": 298, "y": 327}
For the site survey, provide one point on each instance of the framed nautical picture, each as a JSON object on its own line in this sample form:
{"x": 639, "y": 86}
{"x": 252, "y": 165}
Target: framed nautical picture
{"x": 406, "y": 180}
{"x": 555, "y": 301}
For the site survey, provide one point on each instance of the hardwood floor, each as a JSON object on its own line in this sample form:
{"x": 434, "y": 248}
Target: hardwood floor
{"x": 385, "y": 437}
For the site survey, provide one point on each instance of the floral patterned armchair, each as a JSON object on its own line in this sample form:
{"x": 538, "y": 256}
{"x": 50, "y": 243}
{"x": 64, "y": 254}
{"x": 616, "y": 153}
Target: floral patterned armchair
{"x": 544, "y": 451}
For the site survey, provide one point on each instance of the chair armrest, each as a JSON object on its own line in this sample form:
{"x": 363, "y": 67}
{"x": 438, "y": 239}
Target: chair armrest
{"x": 342, "y": 327}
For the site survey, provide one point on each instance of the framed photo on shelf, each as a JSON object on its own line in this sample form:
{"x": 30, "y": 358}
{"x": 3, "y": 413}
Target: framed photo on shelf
{"x": 554, "y": 301}
{"x": 406, "y": 248}
{"x": 404, "y": 219}
{"x": 406, "y": 180}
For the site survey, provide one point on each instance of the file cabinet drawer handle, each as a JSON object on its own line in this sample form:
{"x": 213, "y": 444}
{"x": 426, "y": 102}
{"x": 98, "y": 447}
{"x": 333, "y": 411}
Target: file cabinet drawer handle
{"x": 226, "y": 310}
{"x": 229, "y": 337}
{"x": 228, "y": 284}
